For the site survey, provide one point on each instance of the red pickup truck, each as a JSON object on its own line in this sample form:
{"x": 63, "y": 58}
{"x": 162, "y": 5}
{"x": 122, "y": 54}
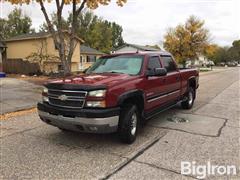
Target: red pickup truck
{"x": 117, "y": 93}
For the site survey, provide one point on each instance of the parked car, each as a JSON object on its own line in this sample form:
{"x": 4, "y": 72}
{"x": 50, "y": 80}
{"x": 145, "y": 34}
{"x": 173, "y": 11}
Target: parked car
{"x": 210, "y": 64}
{"x": 232, "y": 64}
{"x": 222, "y": 64}
{"x": 118, "y": 93}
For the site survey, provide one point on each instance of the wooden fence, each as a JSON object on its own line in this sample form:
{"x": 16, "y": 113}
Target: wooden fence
{"x": 18, "y": 66}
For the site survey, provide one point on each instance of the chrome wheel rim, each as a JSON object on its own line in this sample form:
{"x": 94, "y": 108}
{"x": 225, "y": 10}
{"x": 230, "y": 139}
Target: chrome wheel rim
{"x": 190, "y": 98}
{"x": 133, "y": 123}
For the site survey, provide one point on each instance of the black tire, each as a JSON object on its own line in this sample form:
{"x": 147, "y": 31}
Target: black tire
{"x": 128, "y": 123}
{"x": 188, "y": 101}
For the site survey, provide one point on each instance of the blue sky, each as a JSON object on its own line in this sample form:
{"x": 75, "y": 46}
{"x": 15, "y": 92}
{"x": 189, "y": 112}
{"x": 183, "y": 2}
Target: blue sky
{"x": 146, "y": 21}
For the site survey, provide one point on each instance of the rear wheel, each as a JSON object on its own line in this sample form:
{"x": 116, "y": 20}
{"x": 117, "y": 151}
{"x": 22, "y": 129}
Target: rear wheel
{"x": 188, "y": 101}
{"x": 128, "y": 124}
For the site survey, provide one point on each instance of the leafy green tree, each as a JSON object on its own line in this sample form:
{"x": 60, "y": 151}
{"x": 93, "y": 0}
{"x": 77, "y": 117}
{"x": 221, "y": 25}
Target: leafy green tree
{"x": 44, "y": 26}
{"x": 117, "y": 39}
{"x": 98, "y": 33}
{"x": 188, "y": 41}
{"x": 4, "y": 29}
{"x": 226, "y": 54}
{"x": 85, "y": 22}
{"x": 15, "y": 24}
{"x": 99, "y": 36}
{"x": 222, "y": 55}
{"x": 234, "y": 51}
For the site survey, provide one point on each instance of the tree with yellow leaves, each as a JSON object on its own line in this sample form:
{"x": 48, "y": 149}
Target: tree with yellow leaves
{"x": 187, "y": 41}
{"x": 66, "y": 49}
{"x": 210, "y": 51}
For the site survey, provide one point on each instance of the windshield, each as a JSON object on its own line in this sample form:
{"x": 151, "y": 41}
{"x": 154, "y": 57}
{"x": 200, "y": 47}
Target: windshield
{"x": 119, "y": 64}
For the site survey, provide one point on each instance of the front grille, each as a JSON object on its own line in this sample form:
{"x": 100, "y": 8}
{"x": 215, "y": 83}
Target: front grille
{"x": 80, "y": 94}
{"x": 67, "y": 98}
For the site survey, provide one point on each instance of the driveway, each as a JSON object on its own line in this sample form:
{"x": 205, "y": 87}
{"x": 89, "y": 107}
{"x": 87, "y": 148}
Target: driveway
{"x": 209, "y": 132}
{"x": 17, "y": 95}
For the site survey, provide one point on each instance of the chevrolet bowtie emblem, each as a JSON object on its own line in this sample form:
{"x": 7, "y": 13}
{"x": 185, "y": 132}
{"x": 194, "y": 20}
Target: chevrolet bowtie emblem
{"x": 63, "y": 97}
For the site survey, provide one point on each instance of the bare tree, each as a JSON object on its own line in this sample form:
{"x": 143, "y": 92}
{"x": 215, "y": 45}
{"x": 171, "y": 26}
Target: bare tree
{"x": 41, "y": 55}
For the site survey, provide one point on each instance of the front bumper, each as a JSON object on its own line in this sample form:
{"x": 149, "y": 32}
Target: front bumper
{"x": 83, "y": 120}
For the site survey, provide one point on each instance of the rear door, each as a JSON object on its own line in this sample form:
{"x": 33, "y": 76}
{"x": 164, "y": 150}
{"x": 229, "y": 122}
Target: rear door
{"x": 155, "y": 86}
{"x": 173, "y": 78}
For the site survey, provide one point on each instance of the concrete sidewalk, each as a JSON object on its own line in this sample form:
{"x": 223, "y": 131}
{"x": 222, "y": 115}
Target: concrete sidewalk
{"x": 17, "y": 95}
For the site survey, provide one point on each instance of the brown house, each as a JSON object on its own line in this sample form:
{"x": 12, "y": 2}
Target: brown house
{"x": 39, "y": 49}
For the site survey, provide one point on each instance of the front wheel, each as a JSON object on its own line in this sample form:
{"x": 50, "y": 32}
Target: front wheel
{"x": 128, "y": 124}
{"x": 189, "y": 99}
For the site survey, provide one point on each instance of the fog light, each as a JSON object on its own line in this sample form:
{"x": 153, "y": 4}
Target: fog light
{"x": 93, "y": 128}
{"x": 45, "y": 99}
{"x": 96, "y": 104}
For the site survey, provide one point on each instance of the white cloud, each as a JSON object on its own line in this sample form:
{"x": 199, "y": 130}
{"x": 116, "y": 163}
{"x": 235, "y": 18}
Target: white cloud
{"x": 146, "y": 21}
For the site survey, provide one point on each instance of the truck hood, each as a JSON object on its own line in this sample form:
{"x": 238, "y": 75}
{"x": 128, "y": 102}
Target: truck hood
{"x": 104, "y": 79}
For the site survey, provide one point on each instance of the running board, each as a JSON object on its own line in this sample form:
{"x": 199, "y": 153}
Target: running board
{"x": 159, "y": 110}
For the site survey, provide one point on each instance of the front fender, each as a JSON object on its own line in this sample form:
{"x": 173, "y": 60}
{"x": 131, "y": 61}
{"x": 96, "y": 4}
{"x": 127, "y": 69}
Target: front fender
{"x": 130, "y": 94}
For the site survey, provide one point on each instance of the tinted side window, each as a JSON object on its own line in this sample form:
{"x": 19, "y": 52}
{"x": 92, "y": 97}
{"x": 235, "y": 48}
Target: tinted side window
{"x": 168, "y": 63}
{"x": 154, "y": 62}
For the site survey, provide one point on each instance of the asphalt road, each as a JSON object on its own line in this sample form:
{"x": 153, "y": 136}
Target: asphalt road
{"x": 209, "y": 132}
{"x": 16, "y": 94}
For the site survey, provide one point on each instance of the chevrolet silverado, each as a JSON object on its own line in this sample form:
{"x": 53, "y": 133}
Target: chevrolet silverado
{"x": 117, "y": 93}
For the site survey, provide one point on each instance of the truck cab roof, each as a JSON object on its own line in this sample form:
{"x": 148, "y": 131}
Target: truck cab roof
{"x": 150, "y": 53}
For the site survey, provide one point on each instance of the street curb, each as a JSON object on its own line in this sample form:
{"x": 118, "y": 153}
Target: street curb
{"x": 8, "y": 115}
{"x": 17, "y": 109}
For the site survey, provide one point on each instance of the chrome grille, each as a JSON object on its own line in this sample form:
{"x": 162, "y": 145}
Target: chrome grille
{"x": 67, "y": 98}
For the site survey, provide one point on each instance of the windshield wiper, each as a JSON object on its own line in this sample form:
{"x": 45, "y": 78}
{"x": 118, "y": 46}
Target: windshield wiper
{"x": 115, "y": 72}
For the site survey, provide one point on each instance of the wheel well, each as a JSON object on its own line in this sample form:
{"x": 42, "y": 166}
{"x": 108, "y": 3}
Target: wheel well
{"x": 192, "y": 83}
{"x": 137, "y": 100}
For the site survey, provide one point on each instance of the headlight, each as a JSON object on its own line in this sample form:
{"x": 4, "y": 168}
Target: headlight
{"x": 44, "y": 95}
{"x": 96, "y": 104}
{"x": 97, "y": 93}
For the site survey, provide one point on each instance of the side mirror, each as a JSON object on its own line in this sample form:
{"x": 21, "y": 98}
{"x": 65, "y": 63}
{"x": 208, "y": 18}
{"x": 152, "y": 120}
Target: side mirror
{"x": 157, "y": 72}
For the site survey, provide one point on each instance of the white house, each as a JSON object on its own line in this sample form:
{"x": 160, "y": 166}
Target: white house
{"x": 200, "y": 61}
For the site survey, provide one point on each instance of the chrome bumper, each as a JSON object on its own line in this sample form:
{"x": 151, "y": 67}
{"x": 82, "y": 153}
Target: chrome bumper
{"x": 82, "y": 124}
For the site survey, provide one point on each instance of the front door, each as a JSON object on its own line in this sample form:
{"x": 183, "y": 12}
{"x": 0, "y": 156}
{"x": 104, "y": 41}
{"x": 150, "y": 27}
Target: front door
{"x": 155, "y": 89}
